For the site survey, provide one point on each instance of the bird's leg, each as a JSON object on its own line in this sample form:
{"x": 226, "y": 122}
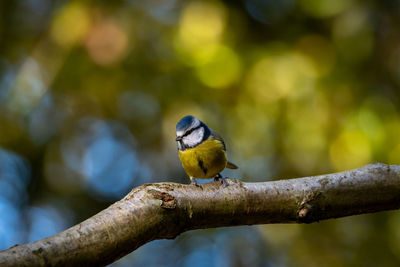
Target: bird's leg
{"x": 193, "y": 181}
{"x": 223, "y": 180}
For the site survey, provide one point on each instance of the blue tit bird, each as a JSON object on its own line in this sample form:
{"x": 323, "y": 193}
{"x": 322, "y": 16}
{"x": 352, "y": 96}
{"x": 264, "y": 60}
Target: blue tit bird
{"x": 201, "y": 150}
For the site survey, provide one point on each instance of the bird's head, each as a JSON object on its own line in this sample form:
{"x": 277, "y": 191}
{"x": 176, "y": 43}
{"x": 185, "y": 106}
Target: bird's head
{"x": 190, "y": 132}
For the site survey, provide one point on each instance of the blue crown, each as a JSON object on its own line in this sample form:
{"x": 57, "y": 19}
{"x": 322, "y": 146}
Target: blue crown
{"x": 184, "y": 123}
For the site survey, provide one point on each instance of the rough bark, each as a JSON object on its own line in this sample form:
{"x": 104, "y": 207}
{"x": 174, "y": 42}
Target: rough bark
{"x": 164, "y": 210}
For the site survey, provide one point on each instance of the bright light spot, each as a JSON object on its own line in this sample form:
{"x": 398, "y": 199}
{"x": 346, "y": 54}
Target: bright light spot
{"x": 202, "y": 23}
{"x": 201, "y": 28}
{"x": 28, "y": 87}
{"x": 281, "y": 75}
{"x": 107, "y": 43}
{"x": 199, "y": 56}
{"x": 71, "y": 24}
{"x": 221, "y": 70}
{"x": 324, "y": 8}
{"x": 350, "y": 150}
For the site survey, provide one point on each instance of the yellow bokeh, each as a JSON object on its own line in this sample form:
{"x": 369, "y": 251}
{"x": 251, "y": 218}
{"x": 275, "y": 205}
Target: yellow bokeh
{"x": 221, "y": 70}
{"x": 276, "y": 76}
{"x": 351, "y": 149}
{"x": 202, "y": 23}
{"x": 201, "y": 27}
{"x": 71, "y": 24}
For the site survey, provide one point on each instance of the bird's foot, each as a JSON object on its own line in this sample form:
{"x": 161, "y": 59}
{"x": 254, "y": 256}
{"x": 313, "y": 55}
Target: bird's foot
{"x": 219, "y": 177}
{"x": 193, "y": 181}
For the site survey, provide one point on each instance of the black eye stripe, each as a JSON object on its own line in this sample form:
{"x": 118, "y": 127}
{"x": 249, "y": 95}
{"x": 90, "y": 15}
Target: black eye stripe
{"x": 190, "y": 131}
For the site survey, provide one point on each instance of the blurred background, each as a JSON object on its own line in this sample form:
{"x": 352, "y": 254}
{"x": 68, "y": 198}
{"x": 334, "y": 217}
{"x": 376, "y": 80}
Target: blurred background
{"x": 90, "y": 92}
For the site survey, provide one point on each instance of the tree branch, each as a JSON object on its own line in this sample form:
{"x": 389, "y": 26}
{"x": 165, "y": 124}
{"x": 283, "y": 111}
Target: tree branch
{"x": 164, "y": 210}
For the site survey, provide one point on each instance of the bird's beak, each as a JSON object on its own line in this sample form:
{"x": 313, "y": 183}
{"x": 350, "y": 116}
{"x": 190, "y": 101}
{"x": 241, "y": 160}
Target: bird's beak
{"x": 178, "y": 138}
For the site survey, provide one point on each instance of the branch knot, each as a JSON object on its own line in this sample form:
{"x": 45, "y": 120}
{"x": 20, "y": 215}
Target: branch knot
{"x": 168, "y": 201}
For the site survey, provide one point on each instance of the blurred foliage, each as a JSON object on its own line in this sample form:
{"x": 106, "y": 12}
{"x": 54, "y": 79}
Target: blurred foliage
{"x": 90, "y": 92}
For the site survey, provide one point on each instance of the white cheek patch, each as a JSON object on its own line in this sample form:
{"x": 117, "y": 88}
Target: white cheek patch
{"x": 194, "y": 138}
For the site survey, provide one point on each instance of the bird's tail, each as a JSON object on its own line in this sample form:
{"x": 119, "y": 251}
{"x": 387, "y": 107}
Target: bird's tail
{"x": 231, "y": 165}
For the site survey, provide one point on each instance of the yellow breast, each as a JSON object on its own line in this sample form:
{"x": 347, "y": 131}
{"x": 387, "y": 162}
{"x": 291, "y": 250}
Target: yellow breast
{"x": 205, "y": 160}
